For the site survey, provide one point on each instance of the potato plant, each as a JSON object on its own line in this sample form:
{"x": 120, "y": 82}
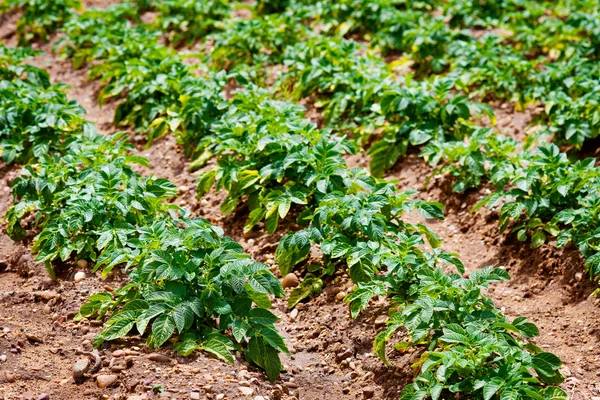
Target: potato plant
{"x": 36, "y": 118}
{"x": 40, "y": 18}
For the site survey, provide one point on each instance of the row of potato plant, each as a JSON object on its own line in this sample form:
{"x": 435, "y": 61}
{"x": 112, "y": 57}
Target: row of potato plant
{"x": 186, "y": 279}
{"x": 540, "y": 193}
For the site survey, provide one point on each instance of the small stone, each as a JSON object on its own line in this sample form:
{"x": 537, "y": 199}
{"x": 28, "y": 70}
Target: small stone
{"x": 381, "y": 320}
{"x": 294, "y": 315}
{"x": 48, "y": 295}
{"x": 220, "y": 396}
{"x": 118, "y": 353}
{"x": 10, "y": 377}
{"x": 83, "y": 264}
{"x": 246, "y": 391}
{"x": 44, "y": 396}
{"x": 158, "y": 357}
{"x": 104, "y": 381}
{"x": 3, "y": 357}
{"x": 80, "y": 367}
{"x": 259, "y": 398}
{"x": 340, "y": 296}
{"x": 183, "y": 189}
{"x": 565, "y": 371}
{"x": 33, "y": 338}
{"x": 79, "y": 276}
{"x": 290, "y": 281}
{"x": 343, "y": 355}
{"x": 368, "y": 392}
{"x": 195, "y": 396}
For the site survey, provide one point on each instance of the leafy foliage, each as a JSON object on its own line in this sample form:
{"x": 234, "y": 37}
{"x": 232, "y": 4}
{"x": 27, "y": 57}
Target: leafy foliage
{"x": 82, "y": 196}
{"x": 270, "y": 157}
{"x": 189, "y": 20}
{"x": 40, "y": 18}
{"x": 192, "y": 282}
{"x": 541, "y": 194}
{"x": 36, "y": 118}
{"x": 444, "y": 313}
{"x": 160, "y": 93}
{"x": 472, "y": 162}
{"x": 98, "y": 34}
{"x": 12, "y": 66}
{"x": 254, "y": 42}
{"x": 188, "y": 281}
{"x": 345, "y": 81}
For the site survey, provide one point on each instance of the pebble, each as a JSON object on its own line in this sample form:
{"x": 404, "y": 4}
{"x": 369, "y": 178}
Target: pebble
{"x": 10, "y": 377}
{"x": 48, "y": 295}
{"x": 340, "y": 296}
{"x": 290, "y": 281}
{"x": 259, "y": 398}
{"x": 82, "y": 264}
{"x": 3, "y": 357}
{"x": 294, "y": 315}
{"x": 246, "y": 391}
{"x": 44, "y": 396}
{"x": 104, "y": 381}
{"x": 220, "y": 396}
{"x": 158, "y": 357}
{"x": 118, "y": 353}
{"x": 381, "y": 320}
{"x": 368, "y": 392}
{"x": 195, "y": 396}
{"x": 79, "y": 276}
{"x": 80, "y": 367}
{"x": 34, "y": 338}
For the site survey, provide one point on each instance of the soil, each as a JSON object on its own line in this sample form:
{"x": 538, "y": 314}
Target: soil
{"x": 332, "y": 354}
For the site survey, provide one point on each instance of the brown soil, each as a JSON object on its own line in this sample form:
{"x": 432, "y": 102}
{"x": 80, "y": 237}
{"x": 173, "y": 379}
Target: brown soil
{"x": 331, "y": 353}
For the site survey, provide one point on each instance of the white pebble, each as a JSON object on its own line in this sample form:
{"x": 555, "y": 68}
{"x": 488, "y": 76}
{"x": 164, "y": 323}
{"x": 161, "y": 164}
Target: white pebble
{"x": 79, "y": 276}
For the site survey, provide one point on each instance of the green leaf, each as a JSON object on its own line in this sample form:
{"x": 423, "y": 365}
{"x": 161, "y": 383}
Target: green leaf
{"x": 183, "y": 315}
{"x": 538, "y": 238}
{"x": 162, "y": 329}
{"x": 118, "y": 329}
{"x": 220, "y": 346}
